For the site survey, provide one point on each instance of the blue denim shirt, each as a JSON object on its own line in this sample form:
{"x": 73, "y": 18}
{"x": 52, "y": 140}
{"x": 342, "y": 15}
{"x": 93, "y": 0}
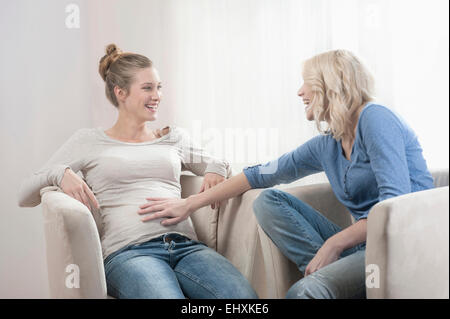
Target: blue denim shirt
{"x": 386, "y": 161}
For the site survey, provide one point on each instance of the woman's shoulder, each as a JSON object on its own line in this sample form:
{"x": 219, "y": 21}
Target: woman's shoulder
{"x": 377, "y": 117}
{"x": 173, "y": 133}
{"x": 83, "y": 135}
{"x": 375, "y": 111}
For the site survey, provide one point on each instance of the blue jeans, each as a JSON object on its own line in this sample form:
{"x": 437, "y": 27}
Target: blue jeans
{"x": 173, "y": 266}
{"x": 299, "y": 231}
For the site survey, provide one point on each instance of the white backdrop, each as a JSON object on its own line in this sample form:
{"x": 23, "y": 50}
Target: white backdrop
{"x": 230, "y": 72}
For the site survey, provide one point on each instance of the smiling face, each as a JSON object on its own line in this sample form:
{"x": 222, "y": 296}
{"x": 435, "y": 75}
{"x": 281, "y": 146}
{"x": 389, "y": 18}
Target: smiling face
{"x": 307, "y": 95}
{"x": 144, "y": 95}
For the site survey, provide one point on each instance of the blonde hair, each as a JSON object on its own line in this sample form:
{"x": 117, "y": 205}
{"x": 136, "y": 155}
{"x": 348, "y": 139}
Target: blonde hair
{"x": 118, "y": 69}
{"x": 341, "y": 85}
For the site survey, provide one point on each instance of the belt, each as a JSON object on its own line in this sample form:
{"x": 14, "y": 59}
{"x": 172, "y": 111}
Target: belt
{"x": 167, "y": 238}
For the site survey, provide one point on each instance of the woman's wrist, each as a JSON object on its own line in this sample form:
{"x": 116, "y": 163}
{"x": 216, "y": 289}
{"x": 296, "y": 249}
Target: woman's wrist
{"x": 192, "y": 203}
{"x": 335, "y": 243}
{"x": 349, "y": 237}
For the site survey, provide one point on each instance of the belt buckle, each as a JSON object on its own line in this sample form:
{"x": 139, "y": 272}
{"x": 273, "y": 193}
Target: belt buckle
{"x": 168, "y": 239}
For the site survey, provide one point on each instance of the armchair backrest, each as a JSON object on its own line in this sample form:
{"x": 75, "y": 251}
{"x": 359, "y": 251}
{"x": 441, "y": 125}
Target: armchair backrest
{"x": 440, "y": 177}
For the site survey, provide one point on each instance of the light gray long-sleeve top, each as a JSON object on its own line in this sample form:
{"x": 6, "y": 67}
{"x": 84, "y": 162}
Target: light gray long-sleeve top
{"x": 122, "y": 175}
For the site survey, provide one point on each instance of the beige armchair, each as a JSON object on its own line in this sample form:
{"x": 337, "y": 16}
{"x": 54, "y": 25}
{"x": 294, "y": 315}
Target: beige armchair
{"x": 405, "y": 234}
{"x": 72, "y": 235}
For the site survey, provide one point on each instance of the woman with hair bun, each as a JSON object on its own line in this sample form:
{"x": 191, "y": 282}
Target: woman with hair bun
{"x": 368, "y": 153}
{"x": 124, "y": 165}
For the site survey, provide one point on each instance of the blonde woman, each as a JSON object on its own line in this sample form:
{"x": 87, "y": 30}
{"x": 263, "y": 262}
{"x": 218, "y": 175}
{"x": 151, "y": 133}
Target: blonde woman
{"x": 368, "y": 153}
{"x": 121, "y": 167}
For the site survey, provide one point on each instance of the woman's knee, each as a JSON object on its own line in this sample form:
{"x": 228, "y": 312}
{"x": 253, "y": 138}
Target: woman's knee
{"x": 266, "y": 205}
{"x": 206, "y": 274}
{"x": 223, "y": 286}
{"x": 311, "y": 287}
{"x": 238, "y": 290}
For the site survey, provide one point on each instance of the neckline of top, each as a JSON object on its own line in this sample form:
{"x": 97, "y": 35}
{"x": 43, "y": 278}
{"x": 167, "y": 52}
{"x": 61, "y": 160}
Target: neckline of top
{"x": 356, "y": 136}
{"x": 106, "y": 136}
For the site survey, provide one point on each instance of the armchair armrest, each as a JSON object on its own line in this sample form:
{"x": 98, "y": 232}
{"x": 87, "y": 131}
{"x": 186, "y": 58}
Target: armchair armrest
{"x": 72, "y": 239}
{"x": 204, "y": 219}
{"x": 407, "y": 238}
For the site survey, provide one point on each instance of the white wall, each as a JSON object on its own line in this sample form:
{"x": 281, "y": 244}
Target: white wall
{"x": 226, "y": 66}
{"x": 43, "y": 100}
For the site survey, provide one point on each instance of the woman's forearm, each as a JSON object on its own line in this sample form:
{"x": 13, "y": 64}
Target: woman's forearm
{"x": 350, "y": 236}
{"x": 231, "y": 187}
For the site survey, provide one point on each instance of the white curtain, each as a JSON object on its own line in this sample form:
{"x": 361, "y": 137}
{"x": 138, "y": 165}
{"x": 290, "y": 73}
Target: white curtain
{"x": 231, "y": 68}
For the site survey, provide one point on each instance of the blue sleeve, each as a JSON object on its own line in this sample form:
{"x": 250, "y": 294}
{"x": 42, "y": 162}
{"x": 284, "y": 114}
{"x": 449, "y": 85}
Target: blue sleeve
{"x": 383, "y": 136}
{"x": 301, "y": 162}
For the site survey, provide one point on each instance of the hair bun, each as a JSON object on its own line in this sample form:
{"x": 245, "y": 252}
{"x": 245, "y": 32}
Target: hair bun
{"x": 112, "y": 49}
{"x": 112, "y": 54}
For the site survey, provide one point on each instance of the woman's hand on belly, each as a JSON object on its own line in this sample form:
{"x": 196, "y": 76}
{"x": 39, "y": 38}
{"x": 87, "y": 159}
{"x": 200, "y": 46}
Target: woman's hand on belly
{"x": 174, "y": 210}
